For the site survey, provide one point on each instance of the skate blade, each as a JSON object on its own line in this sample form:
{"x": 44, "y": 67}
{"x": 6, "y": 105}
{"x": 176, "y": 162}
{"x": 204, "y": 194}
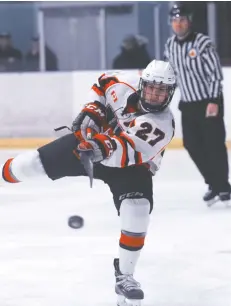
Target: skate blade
{"x": 216, "y": 200}
{"x": 213, "y": 201}
{"x": 122, "y": 301}
{"x": 227, "y": 203}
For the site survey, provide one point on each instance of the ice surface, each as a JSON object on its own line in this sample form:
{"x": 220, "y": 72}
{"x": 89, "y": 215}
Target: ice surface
{"x": 186, "y": 260}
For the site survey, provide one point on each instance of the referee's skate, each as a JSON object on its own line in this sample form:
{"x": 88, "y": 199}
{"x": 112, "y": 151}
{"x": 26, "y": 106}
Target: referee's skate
{"x": 212, "y": 198}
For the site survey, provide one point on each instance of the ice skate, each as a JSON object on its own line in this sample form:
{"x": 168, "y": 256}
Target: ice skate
{"x": 211, "y": 197}
{"x": 127, "y": 288}
{"x": 225, "y": 198}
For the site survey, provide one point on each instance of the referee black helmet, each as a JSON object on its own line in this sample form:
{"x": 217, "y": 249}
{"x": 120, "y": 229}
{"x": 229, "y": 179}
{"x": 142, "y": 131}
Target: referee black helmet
{"x": 180, "y": 10}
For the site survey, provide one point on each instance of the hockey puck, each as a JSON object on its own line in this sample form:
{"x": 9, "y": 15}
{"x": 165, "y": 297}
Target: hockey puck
{"x": 75, "y": 222}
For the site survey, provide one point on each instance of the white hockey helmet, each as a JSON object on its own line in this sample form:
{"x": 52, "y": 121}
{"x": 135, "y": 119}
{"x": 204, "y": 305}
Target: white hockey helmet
{"x": 157, "y": 86}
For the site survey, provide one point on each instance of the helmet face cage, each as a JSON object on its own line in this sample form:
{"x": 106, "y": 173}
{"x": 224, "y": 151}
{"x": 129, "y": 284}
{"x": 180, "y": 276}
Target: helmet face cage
{"x": 155, "y": 96}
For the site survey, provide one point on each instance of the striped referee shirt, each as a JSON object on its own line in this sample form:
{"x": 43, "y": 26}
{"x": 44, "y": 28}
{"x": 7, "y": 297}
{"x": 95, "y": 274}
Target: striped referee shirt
{"x": 197, "y": 67}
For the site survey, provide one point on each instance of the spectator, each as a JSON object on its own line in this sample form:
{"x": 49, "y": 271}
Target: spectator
{"x": 32, "y": 57}
{"x": 133, "y": 53}
{"x": 10, "y": 57}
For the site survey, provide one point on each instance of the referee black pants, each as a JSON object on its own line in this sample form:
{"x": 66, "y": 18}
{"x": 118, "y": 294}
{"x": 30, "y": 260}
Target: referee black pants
{"x": 204, "y": 139}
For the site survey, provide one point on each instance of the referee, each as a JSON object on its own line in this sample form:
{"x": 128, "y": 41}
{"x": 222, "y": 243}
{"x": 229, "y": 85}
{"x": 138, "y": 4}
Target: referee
{"x": 199, "y": 77}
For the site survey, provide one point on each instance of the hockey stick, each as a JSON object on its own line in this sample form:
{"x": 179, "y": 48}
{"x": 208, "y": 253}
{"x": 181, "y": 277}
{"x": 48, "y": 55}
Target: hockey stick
{"x": 62, "y": 127}
{"x": 86, "y": 160}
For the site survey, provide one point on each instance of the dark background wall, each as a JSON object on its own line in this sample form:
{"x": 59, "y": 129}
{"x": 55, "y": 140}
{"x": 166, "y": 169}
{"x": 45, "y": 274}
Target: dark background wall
{"x": 20, "y": 19}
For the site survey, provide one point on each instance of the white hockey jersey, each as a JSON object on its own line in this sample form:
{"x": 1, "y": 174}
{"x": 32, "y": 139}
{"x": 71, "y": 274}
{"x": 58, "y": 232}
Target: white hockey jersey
{"x": 140, "y": 138}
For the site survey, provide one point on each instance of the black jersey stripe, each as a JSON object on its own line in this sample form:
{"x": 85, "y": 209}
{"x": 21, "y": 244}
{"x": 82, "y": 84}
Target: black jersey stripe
{"x": 197, "y": 67}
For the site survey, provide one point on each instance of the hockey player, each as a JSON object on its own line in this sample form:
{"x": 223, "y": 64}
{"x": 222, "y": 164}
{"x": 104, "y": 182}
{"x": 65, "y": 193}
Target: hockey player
{"x": 123, "y": 131}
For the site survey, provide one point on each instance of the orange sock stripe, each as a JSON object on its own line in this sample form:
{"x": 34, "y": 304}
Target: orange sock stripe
{"x": 6, "y": 171}
{"x": 132, "y": 241}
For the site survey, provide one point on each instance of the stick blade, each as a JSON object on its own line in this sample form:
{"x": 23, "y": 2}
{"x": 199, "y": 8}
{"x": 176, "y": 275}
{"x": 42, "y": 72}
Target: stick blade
{"x": 86, "y": 160}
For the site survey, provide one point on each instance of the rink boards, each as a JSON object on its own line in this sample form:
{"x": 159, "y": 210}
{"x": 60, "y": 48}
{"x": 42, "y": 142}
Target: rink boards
{"x": 33, "y": 104}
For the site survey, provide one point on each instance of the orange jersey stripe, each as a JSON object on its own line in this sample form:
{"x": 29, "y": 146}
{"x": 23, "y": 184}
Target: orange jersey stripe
{"x": 124, "y": 154}
{"x": 132, "y": 123}
{"x": 161, "y": 150}
{"x": 131, "y": 142}
{"x": 132, "y": 241}
{"x": 139, "y": 158}
{"x": 109, "y": 81}
{"x": 128, "y": 85}
{"x": 112, "y": 82}
{"x": 138, "y": 155}
{"x": 98, "y": 90}
{"x": 109, "y": 84}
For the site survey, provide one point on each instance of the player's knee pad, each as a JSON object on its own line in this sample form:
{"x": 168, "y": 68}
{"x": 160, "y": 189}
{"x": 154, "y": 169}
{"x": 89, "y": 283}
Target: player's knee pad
{"x": 23, "y": 167}
{"x": 134, "y": 216}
